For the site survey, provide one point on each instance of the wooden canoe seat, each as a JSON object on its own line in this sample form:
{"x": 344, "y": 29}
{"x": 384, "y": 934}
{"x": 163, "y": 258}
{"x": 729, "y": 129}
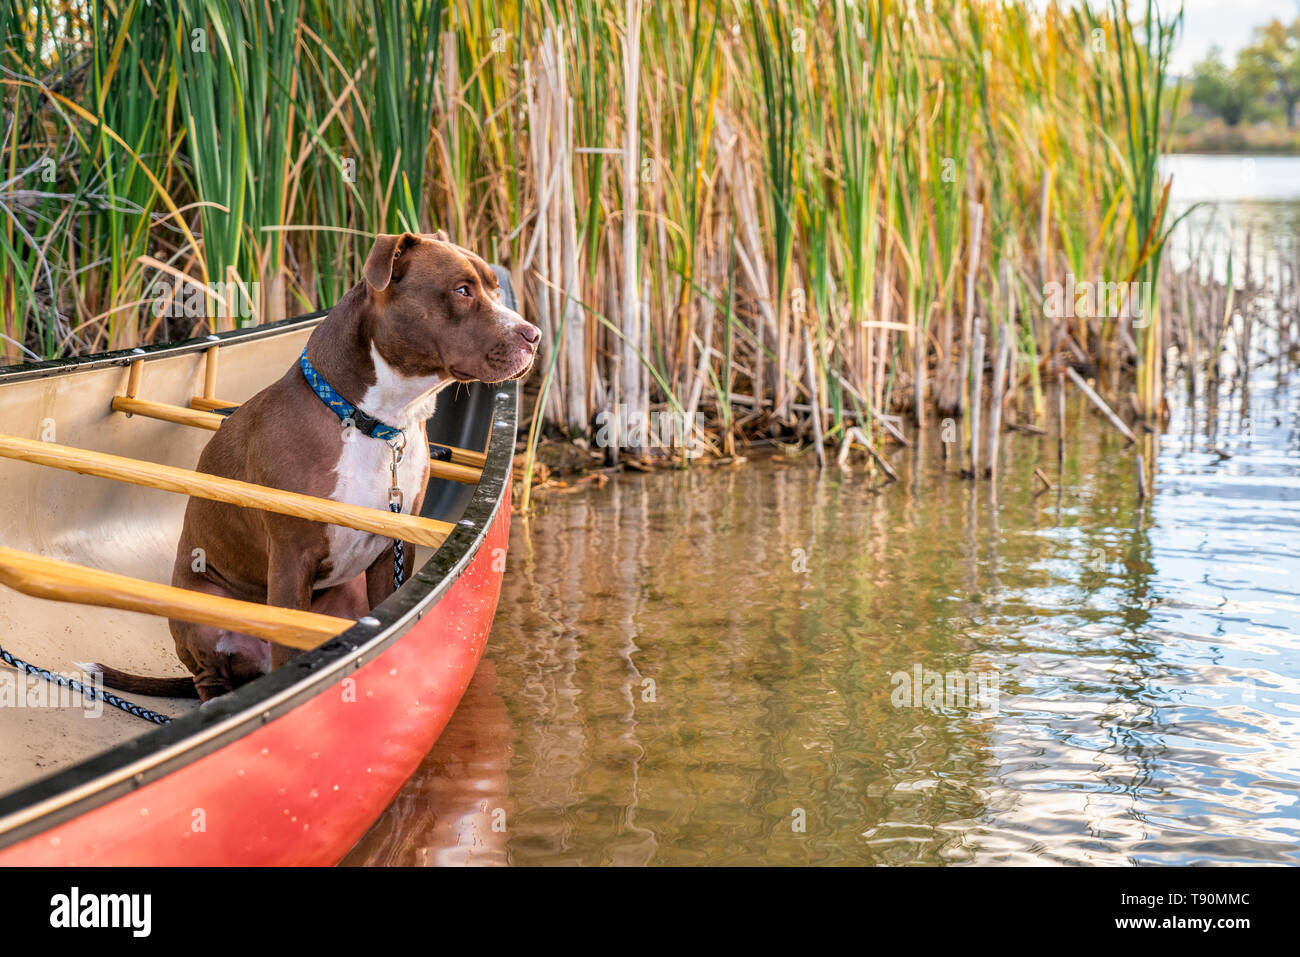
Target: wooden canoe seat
{"x": 49, "y": 578}
{"x": 466, "y": 466}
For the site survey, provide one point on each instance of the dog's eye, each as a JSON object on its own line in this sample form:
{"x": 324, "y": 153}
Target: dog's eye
{"x": 463, "y": 290}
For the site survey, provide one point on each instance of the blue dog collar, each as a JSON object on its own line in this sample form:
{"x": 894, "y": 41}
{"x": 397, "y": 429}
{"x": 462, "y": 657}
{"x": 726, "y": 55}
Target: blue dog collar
{"x": 345, "y": 410}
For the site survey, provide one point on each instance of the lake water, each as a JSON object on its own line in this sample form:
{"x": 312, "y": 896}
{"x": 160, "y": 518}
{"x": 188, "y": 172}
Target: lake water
{"x": 1243, "y": 204}
{"x": 721, "y": 666}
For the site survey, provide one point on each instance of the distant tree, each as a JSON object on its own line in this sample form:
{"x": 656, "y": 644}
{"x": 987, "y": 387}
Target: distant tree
{"x": 1222, "y": 91}
{"x": 1273, "y": 60}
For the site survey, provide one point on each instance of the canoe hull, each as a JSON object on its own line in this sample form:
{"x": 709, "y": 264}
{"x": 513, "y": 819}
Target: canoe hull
{"x": 290, "y": 769}
{"x": 302, "y": 789}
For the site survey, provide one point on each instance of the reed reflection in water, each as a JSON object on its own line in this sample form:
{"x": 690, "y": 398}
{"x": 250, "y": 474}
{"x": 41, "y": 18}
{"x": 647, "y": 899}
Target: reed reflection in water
{"x": 694, "y": 664}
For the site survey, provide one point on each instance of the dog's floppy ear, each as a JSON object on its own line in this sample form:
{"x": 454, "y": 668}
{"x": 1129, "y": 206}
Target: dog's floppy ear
{"x": 383, "y": 254}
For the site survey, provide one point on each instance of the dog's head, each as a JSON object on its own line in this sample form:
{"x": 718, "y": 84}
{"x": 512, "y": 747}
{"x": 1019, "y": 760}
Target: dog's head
{"x": 437, "y": 310}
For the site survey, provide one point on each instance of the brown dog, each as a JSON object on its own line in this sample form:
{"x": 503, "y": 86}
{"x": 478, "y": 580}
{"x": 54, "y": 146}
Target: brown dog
{"x": 426, "y": 314}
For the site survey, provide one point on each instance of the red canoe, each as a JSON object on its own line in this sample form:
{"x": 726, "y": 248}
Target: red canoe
{"x": 291, "y": 769}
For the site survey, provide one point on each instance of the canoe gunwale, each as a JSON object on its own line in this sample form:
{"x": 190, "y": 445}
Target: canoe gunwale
{"x": 109, "y": 775}
{"x": 124, "y": 357}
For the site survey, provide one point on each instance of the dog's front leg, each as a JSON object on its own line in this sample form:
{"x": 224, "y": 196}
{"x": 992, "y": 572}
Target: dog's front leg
{"x": 379, "y": 576}
{"x": 289, "y": 585}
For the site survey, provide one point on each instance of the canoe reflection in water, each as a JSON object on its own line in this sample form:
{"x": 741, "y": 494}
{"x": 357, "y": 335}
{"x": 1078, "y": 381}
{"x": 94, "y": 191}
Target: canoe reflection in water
{"x": 455, "y": 810}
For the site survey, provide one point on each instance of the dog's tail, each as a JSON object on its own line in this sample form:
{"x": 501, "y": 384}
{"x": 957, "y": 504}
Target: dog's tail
{"x": 141, "y": 684}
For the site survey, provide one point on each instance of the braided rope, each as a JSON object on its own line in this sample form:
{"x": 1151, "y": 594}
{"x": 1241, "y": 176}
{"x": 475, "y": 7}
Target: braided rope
{"x": 399, "y": 556}
{"x": 92, "y": 693}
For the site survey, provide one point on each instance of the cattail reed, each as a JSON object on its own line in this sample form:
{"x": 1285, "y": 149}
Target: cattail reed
{"x": 803, "y": 202}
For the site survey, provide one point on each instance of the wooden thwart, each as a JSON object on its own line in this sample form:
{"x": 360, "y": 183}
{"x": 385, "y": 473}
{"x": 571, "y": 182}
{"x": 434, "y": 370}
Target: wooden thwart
{"x": 205, "y": 403}
{"x": 410, "y": 528}
{"x": 49, "y": 578}
{"x": 168, "y": 413}
{"x": 458, "y": 456}
{"x": 465, "y": 474}
{"x": 468, "y": 457}
{"x": 198, "y": 417}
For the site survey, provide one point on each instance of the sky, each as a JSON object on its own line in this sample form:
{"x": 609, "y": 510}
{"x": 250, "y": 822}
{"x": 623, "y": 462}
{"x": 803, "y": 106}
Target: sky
{"x": 1227, "y": 23}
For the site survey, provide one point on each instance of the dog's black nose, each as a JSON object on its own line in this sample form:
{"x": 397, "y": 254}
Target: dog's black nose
{"x": 530, "y": 333}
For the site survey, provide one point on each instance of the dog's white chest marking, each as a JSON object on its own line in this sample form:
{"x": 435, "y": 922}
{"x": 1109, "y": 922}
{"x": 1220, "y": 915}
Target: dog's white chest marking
{"x": 364, "y": 470}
